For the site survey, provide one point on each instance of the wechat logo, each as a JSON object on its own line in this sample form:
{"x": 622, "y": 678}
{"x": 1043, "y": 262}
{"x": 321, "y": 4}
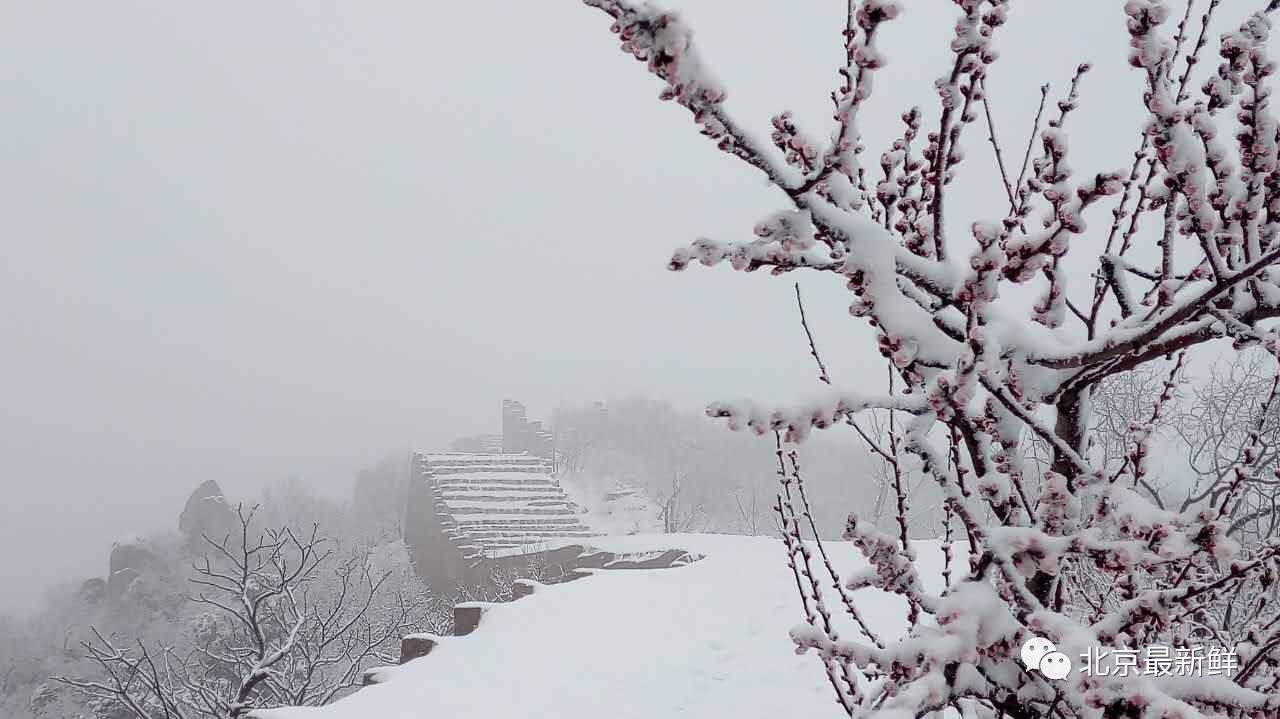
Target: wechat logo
{"x": 1039, "y": 654}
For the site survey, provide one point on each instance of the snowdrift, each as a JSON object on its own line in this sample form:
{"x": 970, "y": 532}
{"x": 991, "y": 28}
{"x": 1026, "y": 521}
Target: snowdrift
{"x": 709, "y": 639}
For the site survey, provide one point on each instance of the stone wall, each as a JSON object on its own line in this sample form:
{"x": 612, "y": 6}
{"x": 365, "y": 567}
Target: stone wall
{"x": 520, "y": 435}
{"x": 464, "y": 510}
{"x": 437, "y": 560}
{"x": 443, "y": 554}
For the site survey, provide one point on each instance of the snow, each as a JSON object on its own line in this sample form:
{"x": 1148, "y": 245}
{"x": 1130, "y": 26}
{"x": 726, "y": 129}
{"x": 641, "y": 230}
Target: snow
{"x": 616, "y": 508}
{"x": 531, "y": 515}
{"x": 710, "y": 639}
{"x": 502, "y": 493}
{"x": 450, "y": 478}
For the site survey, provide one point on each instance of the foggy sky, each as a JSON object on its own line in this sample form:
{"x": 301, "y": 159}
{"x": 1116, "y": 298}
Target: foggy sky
{"x": 248, "y": 240}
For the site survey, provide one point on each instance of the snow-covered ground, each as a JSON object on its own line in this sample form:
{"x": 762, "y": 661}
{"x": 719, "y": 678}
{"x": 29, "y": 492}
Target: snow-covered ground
{"x": 615, "y": 508}
{"x": 706, "y": 640}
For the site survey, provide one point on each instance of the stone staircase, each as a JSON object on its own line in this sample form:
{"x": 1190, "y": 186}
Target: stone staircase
{"x": 493, "y": 504}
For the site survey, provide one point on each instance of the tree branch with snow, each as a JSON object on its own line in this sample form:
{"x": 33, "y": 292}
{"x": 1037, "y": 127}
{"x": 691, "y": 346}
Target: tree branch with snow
{"x": 1087, "y": 553}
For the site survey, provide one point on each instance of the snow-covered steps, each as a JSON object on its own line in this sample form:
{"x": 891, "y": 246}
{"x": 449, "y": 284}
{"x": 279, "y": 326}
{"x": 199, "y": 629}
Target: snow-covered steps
{"x": 498, "y": 502}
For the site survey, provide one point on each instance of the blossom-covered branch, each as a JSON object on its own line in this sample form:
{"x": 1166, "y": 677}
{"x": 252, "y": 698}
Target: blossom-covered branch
{"x": 1078, "y": 550}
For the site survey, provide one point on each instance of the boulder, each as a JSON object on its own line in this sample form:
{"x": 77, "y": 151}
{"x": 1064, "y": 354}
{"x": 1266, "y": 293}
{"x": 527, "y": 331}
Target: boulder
{"x": 207, "y": 514}
{"x": 130, "y": 557}
{"x": 92, "y": 591}
{"x": 119, "y": 582}
{"x": 131, "y": 553}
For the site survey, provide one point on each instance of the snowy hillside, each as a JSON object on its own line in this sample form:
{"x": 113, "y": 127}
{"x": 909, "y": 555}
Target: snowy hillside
{"x": 705, "y": 640}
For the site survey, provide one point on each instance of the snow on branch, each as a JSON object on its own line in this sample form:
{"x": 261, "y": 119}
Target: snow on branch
{"x": 990, "y": 401}
{"x": 820, "y": 414}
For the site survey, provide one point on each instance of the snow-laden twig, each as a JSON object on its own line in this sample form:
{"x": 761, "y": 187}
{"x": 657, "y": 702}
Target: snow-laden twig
{"x": 1190, "y": 254}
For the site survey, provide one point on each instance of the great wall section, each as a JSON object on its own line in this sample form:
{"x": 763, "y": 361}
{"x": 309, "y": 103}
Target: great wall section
{"x": 493, "y": 506}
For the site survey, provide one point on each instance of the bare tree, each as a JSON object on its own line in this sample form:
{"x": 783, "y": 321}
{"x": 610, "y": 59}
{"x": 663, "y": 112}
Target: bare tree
{"x": 287, "y": 627}
{"x": 1214, "y": 425}
{"x": 1090, "y": 558}
{"x": 751, "y": 513}
{"x": 678, "y": 514}
{"x": 1229, "y": 423}
{"x": 1114, "y": 404}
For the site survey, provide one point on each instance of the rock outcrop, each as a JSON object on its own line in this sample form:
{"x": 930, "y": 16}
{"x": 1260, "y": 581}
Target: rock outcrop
{"x": 129, "y": 559}
{"x": 207, "y": 514}
{"x": 92, "y": 591}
